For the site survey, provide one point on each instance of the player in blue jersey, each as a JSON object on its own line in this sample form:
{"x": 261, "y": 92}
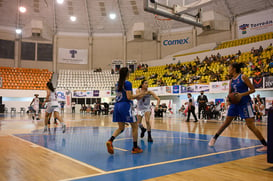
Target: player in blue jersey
{"x": 123, "y": 110}
{"x": 241, "y": 84}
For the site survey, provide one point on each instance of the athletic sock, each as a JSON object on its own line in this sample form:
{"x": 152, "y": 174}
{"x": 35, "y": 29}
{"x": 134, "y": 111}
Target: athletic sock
{"x": 216, "y": 136}
{"x": 149, "y": 134}
{"x": 112, "y": 138}
{"x": 135, "y": 144}
{"x": 263, "y": 142}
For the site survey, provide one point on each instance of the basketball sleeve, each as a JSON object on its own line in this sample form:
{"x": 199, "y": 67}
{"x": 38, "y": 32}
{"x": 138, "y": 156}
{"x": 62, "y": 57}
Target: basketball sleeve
{"x": 128, "y": 86}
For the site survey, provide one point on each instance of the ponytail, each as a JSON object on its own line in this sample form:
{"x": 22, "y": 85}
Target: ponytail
{"x": 122, "y": 77}
{"x": 50, "y": 86}
{"x": 238, "y": 66}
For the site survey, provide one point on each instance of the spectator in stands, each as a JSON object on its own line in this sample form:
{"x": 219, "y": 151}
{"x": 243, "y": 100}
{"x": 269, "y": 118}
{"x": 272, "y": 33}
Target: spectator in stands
{"x": 257, "y": 72}
{"x": 260, "y": 50}
{"x": 218, "y": 55}
{"x": 165, "y": 74}
{"x": 153, "y": 76}
{"x": 269, "y": 48}
{"x": 139, "y": 67}
{"x": 252, "y": 51}
{"x": 239, "y": 53}
{"x": 112, "y": 71}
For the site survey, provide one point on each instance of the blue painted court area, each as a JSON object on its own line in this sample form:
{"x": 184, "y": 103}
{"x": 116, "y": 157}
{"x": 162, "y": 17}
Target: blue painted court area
{"x": 171, "y": 151}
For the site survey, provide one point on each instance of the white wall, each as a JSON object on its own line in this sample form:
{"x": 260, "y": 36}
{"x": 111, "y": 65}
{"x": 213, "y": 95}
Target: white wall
{"x": 19, "y": 98}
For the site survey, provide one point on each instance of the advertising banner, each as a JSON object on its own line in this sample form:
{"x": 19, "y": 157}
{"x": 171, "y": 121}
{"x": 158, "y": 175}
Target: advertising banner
{"x": 72, "y": 56}
{"x": 258, "y": 82}
{"x": 219, "y": 86}
{"x": 268, "y": 82}
{"x": 60, "y": 95}
{"x": 79, "y": 93}
{"x": 255, "y": 23}
{"x": 176, "y": 89}
{"x": 96, "y": 93}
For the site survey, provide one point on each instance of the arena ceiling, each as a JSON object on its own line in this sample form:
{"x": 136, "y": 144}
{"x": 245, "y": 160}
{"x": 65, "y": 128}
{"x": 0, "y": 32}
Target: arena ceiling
{"x": 93, "y": 15}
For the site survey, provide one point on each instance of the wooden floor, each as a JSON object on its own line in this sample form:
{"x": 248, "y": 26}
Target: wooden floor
{"x": 23, "y": 160}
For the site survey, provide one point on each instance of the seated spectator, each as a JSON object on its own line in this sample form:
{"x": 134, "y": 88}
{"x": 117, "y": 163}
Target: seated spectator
{"x": 164, "y": 107}
{"x": 159, "y": 112}
{"x": 165, "y": 74}
{"x": 260, "y": 50}
{"x": 257, "y": 72}
{"x": 154, "y": 76}
{"x": 239, "y": 53}
{"x": 269, "y": 48}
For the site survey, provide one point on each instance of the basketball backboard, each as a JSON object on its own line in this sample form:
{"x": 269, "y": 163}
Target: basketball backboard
{"x": 178, "y": 10}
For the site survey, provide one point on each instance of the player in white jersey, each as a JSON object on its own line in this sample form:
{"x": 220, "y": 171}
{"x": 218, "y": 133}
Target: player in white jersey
{"x": 52, "y": 106}
{"x": 144, "y": 109}
{"x": 35, "y": 106}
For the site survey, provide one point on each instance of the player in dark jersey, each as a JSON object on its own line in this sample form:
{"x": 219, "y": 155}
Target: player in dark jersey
{"x": 241, "y": 84}
{"x": 123, "y": 110}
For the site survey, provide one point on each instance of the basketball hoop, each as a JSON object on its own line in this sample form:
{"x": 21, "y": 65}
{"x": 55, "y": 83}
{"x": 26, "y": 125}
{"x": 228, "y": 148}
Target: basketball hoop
{"x": 163, "y": 24}
{"x": 162, "y": 19}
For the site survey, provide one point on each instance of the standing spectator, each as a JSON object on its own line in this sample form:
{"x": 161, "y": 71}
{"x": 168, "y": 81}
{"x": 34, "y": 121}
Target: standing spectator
{"x": 62, "y": 107}
{"x": 191, "y": 108}
{"x": 202, "y": 103}
{"x": 73, "y": 104}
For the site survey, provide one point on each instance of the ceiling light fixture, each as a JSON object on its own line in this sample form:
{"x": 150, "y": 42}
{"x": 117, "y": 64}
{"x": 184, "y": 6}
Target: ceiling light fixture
{"x": 112, "y": 16}
{"x": 60, "y": 1}
{"x": 73, "y": 18}
{"x": 18, "y": 31}
{"x": 22, "y": 9}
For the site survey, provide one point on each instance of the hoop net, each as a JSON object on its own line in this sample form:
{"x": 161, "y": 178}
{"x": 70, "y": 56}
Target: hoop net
{"x": 163, "y": 24}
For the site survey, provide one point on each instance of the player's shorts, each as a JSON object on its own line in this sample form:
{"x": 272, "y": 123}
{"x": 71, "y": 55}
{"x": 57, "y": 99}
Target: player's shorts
{"x": 242, "y": 110}
{"x": 123, "y": 112}
{"x": 35, "y": 107}
{"x": 52, "y": 108}
{"x": 142, "y": 112}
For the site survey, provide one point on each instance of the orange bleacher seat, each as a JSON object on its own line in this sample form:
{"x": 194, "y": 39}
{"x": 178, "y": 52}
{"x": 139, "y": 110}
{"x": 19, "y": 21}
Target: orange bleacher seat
{"x": 23, "y": 78}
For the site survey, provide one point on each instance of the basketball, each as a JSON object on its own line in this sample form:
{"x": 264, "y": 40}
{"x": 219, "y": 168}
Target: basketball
{"x": 233, "y": 98}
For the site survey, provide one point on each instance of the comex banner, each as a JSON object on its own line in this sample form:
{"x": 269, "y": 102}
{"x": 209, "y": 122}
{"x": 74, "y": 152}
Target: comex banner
{"x": 254, "y": 24}
{"x": 73, "y": 56}
{"x": 181, "y": 41}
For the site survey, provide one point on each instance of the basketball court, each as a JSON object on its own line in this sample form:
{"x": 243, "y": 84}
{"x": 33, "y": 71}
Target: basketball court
{"x": 80, "y": 153}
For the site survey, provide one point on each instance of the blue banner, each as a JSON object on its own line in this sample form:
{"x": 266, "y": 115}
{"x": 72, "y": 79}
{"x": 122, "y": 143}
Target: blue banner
{"x": 176, "y": 89}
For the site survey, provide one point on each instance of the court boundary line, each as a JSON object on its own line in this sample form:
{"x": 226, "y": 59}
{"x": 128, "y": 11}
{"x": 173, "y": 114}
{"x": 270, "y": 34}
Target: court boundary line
{"x": 59, "y": 154}
{"x": 160, "y": 163}
{"x": 164, "y": 137}
{"x": 121, "y": 149}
